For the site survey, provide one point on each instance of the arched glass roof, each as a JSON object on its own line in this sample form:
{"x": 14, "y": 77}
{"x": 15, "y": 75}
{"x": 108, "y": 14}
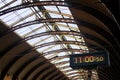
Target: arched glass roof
{"x": 49, "y": 29}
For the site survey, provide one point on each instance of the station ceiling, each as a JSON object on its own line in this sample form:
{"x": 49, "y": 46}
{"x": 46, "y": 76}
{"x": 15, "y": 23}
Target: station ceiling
{"x": 37, "y": 37}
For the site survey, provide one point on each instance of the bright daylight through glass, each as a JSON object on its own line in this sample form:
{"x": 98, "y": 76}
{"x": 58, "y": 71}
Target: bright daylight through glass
{"x": 56, "y": 40}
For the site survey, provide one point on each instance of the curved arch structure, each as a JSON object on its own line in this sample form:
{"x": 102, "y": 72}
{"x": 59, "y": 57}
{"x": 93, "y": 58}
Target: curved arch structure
{"x": 97, "y": 13}
{"x": 22, "y": 61}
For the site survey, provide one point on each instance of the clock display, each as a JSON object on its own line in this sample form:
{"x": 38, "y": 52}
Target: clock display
{"x": 89, "y": 60}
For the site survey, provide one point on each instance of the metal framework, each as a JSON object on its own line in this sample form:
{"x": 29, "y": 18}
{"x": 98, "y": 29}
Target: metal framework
{"x": 98, "y": 14}
{"x": 79, "y": 22}
{"x": 108, "y": 40}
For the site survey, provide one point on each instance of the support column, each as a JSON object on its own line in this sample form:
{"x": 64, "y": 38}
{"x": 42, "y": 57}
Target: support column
{"x": 89, "y": 74}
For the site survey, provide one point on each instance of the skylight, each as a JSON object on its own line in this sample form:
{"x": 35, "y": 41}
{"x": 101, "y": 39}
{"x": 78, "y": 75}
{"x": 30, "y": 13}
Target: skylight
{"x": 46, "y": 12}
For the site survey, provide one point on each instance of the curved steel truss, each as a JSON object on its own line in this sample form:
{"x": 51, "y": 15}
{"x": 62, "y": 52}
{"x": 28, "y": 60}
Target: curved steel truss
{"x": 36, "y": 61}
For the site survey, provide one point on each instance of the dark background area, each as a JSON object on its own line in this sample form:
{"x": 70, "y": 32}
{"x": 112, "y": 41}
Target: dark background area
{"x": 114, "y": 7}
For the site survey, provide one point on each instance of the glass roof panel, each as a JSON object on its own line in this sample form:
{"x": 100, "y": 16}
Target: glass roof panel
{"x": 35, "y": 13}
{"x": 51, "y": 8}
{"x": 62, "y": 60}
{"x": 70, "y": 37}
{"x": 55, "y": 15}
{"x": 66, "y": 69}
{"x": 10, "y": 2}
{"x": 1, "y": 4}
{"x": 75, "y": 46}
{"x": 62, "y": 54}
{"x": 65, "y": 10}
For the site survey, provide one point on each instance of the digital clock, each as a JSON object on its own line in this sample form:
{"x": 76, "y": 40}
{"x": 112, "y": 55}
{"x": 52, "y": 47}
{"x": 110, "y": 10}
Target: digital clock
{"x": 89, "y": 60}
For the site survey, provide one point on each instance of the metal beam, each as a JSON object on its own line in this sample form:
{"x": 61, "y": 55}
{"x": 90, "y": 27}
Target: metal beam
{"x": 11, "y": 63}
{"x": 34, "y": 68}
{"x": 90, "y": 10}
{"x": 51, "y": 77}
{"x": 38, "y": 74}
{"x": 27, "y": 51}
{"x": 58, "y": 77}
{"x": 86, "y": 24}
{"x": 43, "y": 77}
{"x": 15, "y": 75}
{"x": 41, "y": 72}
